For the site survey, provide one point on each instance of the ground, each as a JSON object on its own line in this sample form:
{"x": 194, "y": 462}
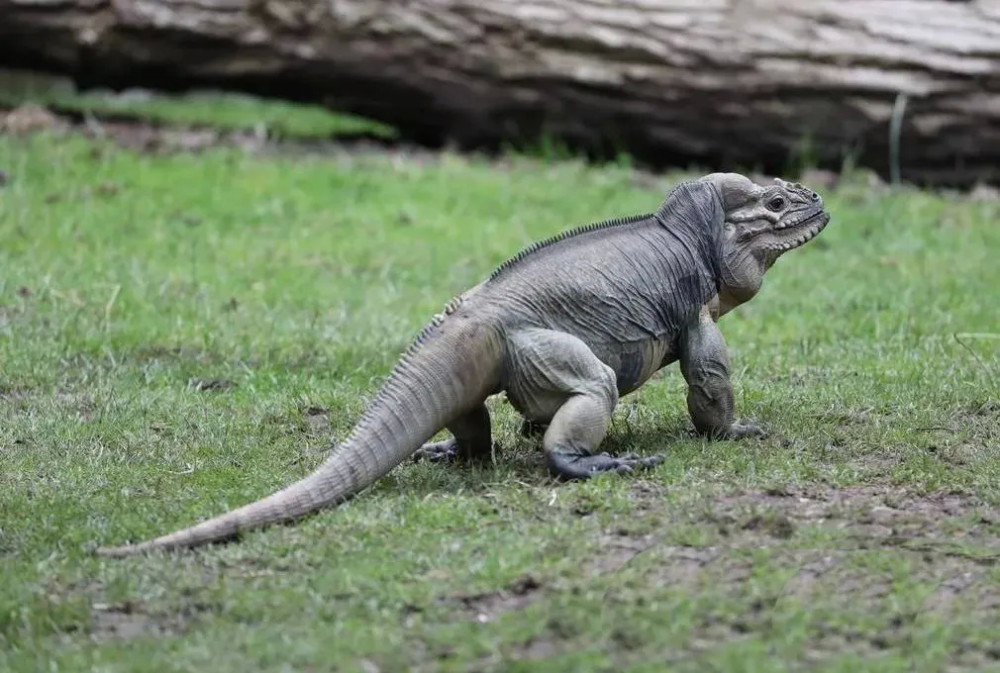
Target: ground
{"x": 186, "y": 326}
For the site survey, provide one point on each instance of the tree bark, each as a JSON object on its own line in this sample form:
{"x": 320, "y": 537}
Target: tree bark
{"x": 721, "y": 83}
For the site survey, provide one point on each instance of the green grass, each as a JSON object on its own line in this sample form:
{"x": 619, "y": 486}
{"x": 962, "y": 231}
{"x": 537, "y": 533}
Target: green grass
{"x": 861, "y": 535}
{"x": 222, "y": 110}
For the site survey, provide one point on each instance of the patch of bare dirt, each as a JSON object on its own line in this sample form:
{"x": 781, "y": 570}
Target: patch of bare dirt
{"x": 536, "y": 648}
{"x": 317, "y": 420}
{"x": 958, "y": 584}
{"x": 128, "y": 620}
{"x": 10, "y": 393}
{"x": 486, "y": 607}
{"x": 836, "y": 580}
{"x": 984, "y": 193}
{"x": 30, "y": 118}
{"x": 950, "y": 541}
{"x": 873, "y": 514}
{"x": 123, "y": 622}
{"x": 79, "y": 405}
{"x": 146, "y": 137}
{"x": 82, "y": 405}
{"x": 618, "y": 550}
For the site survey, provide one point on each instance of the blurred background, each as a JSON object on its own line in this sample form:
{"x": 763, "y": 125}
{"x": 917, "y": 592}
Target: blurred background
{"x": 908, "y": 89}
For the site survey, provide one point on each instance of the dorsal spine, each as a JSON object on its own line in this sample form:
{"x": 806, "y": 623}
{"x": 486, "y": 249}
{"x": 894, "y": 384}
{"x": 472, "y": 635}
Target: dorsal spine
{"x": 586, "y": 229}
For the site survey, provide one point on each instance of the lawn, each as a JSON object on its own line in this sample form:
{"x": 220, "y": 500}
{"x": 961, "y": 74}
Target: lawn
{"x": 181, "y": 333}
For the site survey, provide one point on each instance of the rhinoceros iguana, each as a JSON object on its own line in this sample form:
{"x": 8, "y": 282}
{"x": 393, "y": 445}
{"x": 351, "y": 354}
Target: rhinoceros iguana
{"x": 564, "y": 328}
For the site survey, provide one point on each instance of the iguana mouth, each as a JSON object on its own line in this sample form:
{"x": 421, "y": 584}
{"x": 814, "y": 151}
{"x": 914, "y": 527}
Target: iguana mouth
{"x": 809, "y": 217}
{"x": 798, "y": 232}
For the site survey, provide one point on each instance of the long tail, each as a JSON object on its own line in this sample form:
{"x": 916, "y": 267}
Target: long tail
{"x": 443, "y": 374}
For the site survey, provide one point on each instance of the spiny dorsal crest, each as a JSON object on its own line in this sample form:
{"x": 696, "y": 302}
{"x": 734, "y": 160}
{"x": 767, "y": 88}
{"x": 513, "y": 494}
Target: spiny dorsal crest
{"x": 683, "y": 184}
{"x": 535, "y": 247}
{"x": 435, "y": 322}
{"x": 405, "y": 362}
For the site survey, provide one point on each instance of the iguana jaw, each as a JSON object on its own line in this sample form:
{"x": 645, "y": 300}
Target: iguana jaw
{"x": 772, "y": 244}
{"x": 763, "y": 223}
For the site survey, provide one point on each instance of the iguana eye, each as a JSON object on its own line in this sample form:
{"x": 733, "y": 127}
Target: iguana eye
{"x": 776, "y": 203}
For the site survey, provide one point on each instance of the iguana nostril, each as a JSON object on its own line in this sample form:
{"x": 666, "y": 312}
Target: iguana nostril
{"x": 815, "y": 196}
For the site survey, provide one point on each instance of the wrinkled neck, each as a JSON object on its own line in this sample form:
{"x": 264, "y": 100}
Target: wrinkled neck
{"x": 742, "y": 274}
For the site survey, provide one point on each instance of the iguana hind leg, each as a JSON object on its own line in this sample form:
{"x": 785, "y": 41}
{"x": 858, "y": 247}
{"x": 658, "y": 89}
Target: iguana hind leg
{"x": 704, "y": 362}
{"x": 555, "y": 377}
{"x": 471, "y": 440}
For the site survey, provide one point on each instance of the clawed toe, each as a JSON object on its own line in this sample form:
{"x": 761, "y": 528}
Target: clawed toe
{"x": 735, "y": 431}
{"x": 644, "y": 462}
{"x": 748, "y": 429}
{"x": 436, "y": 453}
{"x": 634, "y": 462}
{"x": 577, "y": 465}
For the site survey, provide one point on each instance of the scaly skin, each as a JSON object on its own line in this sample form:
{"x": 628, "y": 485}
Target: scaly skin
{"x": 564, "y": 329}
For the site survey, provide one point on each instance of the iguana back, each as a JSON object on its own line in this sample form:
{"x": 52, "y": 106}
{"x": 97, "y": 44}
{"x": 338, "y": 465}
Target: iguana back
{"x": 620, "y": 281}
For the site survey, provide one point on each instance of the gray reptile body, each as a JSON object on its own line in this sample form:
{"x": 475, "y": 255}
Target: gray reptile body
{"x": 564, "y": 329}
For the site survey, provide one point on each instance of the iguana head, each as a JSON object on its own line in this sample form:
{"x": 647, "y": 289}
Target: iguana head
{"x": 761, "y": 224}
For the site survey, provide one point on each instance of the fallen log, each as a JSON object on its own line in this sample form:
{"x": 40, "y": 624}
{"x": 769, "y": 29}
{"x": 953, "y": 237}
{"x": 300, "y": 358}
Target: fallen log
{"x": 724, "y": 84}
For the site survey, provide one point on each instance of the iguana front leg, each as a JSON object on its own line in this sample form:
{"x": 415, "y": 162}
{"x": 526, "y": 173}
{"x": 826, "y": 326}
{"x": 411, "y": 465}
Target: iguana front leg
{"x": 704, "y": 362}
{"x": 471, "y": 440}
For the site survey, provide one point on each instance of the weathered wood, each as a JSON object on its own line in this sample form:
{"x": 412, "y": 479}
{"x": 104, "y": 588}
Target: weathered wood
{"x": 719, "y": 82}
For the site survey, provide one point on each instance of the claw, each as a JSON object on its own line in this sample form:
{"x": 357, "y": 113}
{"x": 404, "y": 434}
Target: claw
{"x": 577, "y": 465}
{"x": 748, "y": 429}
{"x": 440, "y": 452}
{"x": 735, "y": 431}
{"x": 633, "y": 462}
{"x": 653, "y": 461}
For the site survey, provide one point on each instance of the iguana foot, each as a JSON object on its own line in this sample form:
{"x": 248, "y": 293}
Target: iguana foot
{"x": 471, "y": 441}
{"x": 739, "y": 431}
{"x": 437, "y": 452}
{"x": 748, "y": 429}
{"x": 450, "y": 451}
{"x": 574, "y": 464}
